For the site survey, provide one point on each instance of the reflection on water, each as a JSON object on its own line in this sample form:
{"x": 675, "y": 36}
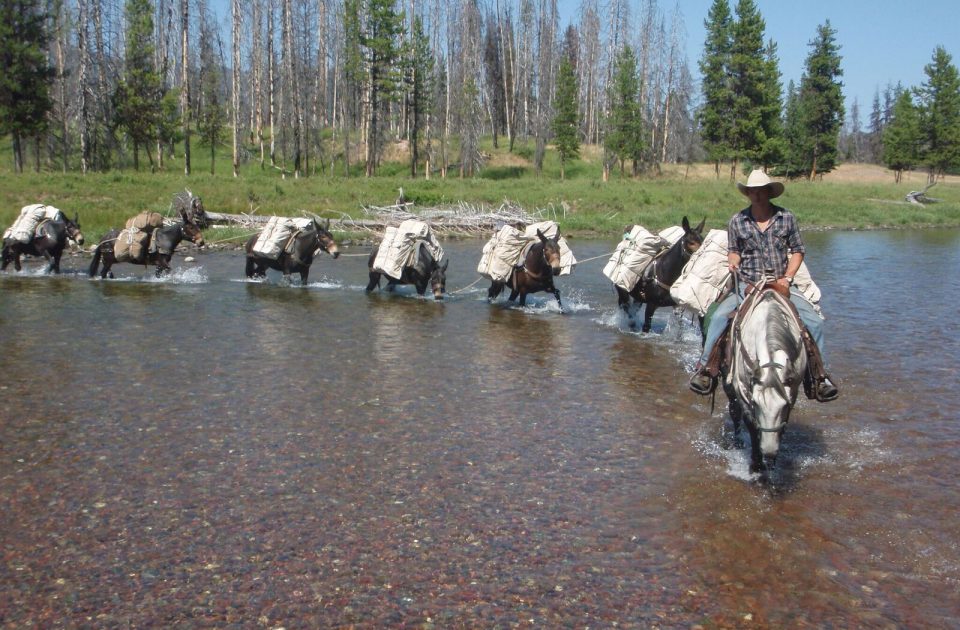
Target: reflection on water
{"x": 227, "y": 452}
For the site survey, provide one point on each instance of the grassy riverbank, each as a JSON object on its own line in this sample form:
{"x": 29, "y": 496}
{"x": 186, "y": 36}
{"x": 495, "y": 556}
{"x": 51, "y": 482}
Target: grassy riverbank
{"x": 853, "y": 197}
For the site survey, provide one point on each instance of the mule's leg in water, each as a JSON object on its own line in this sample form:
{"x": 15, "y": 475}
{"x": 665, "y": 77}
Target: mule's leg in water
{"x": 303, "y": 276}
{"x": 556, "y": 294}
{"x": 496, "y": 288}
{"x": 648, "y": 317}
{"x": 374, "y": 281}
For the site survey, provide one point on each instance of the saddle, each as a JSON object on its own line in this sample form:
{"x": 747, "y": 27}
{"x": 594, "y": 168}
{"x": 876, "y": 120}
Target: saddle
{"x": 721, "y": 357}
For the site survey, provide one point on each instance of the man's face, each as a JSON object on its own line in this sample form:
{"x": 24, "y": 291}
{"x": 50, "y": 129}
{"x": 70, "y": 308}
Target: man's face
{"x": 758, "y": 193}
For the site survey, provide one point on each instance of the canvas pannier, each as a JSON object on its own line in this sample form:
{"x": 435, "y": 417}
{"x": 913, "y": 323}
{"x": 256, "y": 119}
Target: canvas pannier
{"x": 131, "y": 245}
{"x": 146, "y": 221}
{"x": 278, "y": 234}
{"x": 637, "y": 250}
{"x": 401, "y": 244}
{"x": 24, "y": 228}
{"x": 704, "y": 276}
{"x": 502, "y": 253}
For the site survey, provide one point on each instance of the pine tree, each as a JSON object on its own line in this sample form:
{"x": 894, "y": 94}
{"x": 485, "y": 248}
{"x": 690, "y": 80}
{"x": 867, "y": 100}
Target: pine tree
{"x": 714, "y": 116}
{"x": 748, "y": 78}
{"x": 213, "y": 117}
{"x": 25, "y": 76}
{"x": 566, "y": 123}
{"x": 795, "y": 135}
{"x": 625, "y": 139}
{"x": 421, "y": 76}
{"x": 820, "y": 92}
{"x": 773, "y": 148}
{"x": 902, "y": 137}
{"x": 380, "y": 39}
{"x": 939, "y": 104}
{"x": 137, "y": 97}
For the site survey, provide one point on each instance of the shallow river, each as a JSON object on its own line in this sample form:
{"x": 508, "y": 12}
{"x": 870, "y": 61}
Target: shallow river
{"x": 207, "y": 451}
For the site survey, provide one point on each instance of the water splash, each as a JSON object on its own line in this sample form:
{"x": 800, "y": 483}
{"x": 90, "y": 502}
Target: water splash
{"x": 181, "y": 275}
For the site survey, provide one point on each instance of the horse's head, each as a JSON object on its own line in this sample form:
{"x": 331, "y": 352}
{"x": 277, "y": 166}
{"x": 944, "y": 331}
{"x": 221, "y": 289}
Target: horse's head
{"x": 692, "y": 237}
{"x": 769, "y": 370}
{"x": 551, "y": 251}
{"x": 438, "y": 278}
{"x": 325, "y": 238}
{"x": 73, "y": 228}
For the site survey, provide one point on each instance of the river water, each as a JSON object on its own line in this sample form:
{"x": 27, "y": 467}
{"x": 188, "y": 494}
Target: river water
{"x": 207, "y": 451}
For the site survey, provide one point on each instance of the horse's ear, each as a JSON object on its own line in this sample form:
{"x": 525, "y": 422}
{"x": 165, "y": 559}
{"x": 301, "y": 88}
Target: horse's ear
{"x": 702, "y": 224}
{"x": 686, "y": 224}
{"x": 542, "y": 237}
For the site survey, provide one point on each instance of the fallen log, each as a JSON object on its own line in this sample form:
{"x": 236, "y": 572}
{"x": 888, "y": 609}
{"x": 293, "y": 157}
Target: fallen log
{"x": 919, "y": 197}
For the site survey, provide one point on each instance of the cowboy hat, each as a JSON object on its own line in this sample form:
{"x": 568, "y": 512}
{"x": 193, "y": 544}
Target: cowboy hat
{"x": 759, "y": 179}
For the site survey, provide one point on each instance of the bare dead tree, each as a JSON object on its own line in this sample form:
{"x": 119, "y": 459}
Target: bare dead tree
{"x": 235, "y": 113}
{"x": 185, "y": 81}
{"x": 83, "y": 58}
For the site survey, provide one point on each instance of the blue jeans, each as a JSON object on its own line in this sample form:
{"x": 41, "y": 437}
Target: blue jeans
{"x": 718, "y": 321}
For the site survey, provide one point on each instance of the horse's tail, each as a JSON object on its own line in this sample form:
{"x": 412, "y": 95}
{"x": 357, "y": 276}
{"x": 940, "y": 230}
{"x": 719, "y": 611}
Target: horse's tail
{"x": 95, "y": 263}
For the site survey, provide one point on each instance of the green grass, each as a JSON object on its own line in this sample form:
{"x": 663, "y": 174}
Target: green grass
{"x": 582, "y": 203}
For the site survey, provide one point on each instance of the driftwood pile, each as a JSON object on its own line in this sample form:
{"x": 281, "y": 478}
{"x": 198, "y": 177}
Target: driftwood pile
{"x": 919, "y": 197}
{"x": 462, "y": 219}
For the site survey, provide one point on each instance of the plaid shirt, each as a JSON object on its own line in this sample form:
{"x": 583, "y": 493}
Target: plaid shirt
{"x": 767, "y": 250}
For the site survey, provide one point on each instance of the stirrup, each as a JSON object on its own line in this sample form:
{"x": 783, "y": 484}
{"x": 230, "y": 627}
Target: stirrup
{"x": 696, "y": 388}
{"x": 832, "y": 395}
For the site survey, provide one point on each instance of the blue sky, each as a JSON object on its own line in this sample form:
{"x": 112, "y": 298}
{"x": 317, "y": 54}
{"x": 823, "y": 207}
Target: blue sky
{"x": 881, "y": 41}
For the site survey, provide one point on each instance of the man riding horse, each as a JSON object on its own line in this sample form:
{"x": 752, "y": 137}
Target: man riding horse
{"x": 763, "y": 241}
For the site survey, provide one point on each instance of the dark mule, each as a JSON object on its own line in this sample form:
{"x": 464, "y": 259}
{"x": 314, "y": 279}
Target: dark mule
{"x": 540, "y": 264}
{"x": 49, "y": 241}
{"x": 305, "y": 245}
{"x": 653, "y": 288}
{"x": 163, "y": 242}
{"x": 424, "y": 271}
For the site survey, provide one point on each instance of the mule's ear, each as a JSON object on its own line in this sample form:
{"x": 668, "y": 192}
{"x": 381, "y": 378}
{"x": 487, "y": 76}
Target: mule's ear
{"x": 702, "y": 223}
{"x": 443, "y": 267}
{"x": 327, "y": 226}
{"x": 542, "y": 237}
{"x": 685, "y": 224}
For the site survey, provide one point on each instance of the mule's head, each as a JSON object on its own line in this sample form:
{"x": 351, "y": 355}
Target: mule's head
{"x": 325, "y": 238}
{"x": 692, "y": 236}
{"x": 438, "y": 279}
{"x": 73, "y": 228}
{"x": 191, "y": 230}
{"x": 551, "y": 252}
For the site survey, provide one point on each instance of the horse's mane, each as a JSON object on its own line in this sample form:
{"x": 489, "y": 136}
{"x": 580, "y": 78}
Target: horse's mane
{"x": 780, "y": 332}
